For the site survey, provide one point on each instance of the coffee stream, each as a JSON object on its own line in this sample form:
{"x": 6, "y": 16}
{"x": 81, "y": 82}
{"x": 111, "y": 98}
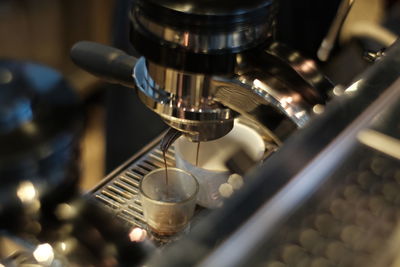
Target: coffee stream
{"x": 197, "y": 154}
{"x": 169, "y": 138}
{"x": 166, "y": 168}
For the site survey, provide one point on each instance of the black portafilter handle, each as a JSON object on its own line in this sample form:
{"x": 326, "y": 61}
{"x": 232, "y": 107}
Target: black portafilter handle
{"x": 108, "y": 63}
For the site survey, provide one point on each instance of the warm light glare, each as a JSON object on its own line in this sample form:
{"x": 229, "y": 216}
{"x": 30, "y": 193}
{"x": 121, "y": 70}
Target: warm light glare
{"x": 186, "y": 7}
{"x": 318, "y": 109}
{"x": 285, "y": 101}
{"x": 67, "y": 246}
{"x": 5, "y": 77}
{"x": 44, "y": 254}
{"x": 63, "y": 246}
{"x": 239, "y": 59}
{"x": 31, "y": 128}
{"x": 381, "y": 142}
{"x": 300, "y": 114}
{"x": 294, "y": 56}
{"x": 338, "y": 90}
{"x": 258, "y": 83}
{"x": 186, "y": 39}
{"x": 307, "y": 66}
{"x": 137, "y": 235}
{"x": 65, "y": 211}
{"x": 26, "y": 192}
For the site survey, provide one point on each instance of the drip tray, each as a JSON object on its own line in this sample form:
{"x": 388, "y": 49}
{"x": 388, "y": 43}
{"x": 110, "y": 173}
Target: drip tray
{"x": 119, "y": 191}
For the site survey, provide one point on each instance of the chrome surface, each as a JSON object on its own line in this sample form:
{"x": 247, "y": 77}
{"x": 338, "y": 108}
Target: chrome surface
{"x": 119, "y": 191}
{"x": 204, "y": 106}
{"x": 184, "y": 95}
{"x": 354, "y": 186}
{"x": 304, "y": 67}
{"x": 327, "y": 201}
{"x": 255, "y": 95}
{"x": 183, "y": 100}
{"x": 356, "y": 218}
{"x": 235, "y": 39}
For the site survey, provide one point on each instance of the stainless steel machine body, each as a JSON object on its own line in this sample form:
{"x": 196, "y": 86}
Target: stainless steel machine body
{"x": 199, "y": 76}
{"x": 202, "y": 66}
{"x": 335, "y": 204}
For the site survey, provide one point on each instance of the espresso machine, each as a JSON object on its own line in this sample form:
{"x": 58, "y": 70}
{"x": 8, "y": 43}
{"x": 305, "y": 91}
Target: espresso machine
{"x": 206, "y": 66}
{"x": 325, "y": 192}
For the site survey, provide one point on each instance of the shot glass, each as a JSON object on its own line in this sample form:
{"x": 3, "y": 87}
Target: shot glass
{"x": 168, "y": 204}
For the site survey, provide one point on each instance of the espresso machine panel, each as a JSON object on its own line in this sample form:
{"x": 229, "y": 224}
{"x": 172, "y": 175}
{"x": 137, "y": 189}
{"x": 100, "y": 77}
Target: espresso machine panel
{"x": 328, "y": 197}
{"x": 334, "y": 204}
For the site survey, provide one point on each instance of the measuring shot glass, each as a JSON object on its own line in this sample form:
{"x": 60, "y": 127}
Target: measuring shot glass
{"x": 169, "y": 205}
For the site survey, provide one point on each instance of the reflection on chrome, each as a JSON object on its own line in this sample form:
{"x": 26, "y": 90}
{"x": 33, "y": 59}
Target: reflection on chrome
{"x": 237, "y": 38}
{"x": 354, "y": 87}
{"x": 44, "y": 254}
{"x": 256, "y": 83}
{"x": 186, "y": 7}
{"x": 203, "y": 106}
{"x": 286, "y": 100}
{"x": 26, "y": 192}
{"x": 290, "y": 102}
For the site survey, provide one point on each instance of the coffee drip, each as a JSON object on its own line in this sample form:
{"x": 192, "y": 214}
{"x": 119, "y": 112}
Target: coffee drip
{"x": 169, "y": 138}
{"x": 197, "y": 154}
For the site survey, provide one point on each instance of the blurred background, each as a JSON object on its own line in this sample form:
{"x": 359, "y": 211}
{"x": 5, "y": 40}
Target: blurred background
{"x": 44, "y": 31}
{"x": 117, "y": 124}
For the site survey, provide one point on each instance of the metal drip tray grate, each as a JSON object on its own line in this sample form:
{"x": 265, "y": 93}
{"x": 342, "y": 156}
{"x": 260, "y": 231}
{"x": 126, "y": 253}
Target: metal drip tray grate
{"x": 119, "y": 192}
